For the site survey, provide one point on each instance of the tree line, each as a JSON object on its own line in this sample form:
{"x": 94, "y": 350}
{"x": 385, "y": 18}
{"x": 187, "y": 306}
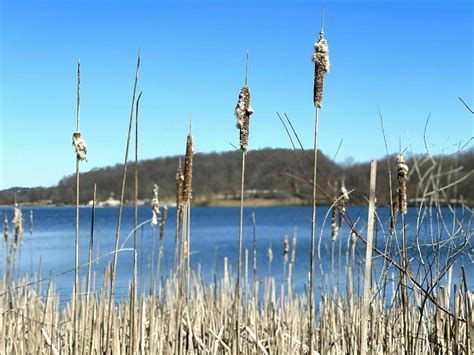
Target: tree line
{"x": 270, "y": 173}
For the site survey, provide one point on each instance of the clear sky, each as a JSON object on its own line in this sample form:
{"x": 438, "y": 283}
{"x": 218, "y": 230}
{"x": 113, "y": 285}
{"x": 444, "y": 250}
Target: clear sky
{"x": 407, "y": 58}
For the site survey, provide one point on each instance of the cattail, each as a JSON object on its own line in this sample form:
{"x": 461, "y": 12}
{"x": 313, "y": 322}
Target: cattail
{"x": 164, "y": 214}
{"x": 354, "y": 238}
{"x": 286, "y": 249}
{"x": 334, "y": 227}
{"x": 17, "y": 222}
{"x": 270, "y": 254}
{"x": 5, "y": 229}
{"x": 80, "y": 144}
{"x": 293, "y": 250}
{"x": 243, "y": 110}
{"x": 188, "y": 169}
{"x": 321, "y": 67}
{"x": 31, "y": 221}
{"x": 179, "y": 186}
{"x": 343, "y": 200}
{"x": 155, "y": 206}
{"x": 402, "y": 168}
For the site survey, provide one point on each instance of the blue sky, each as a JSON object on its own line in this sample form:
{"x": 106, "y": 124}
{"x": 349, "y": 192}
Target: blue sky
{"x": 407, "y": 58}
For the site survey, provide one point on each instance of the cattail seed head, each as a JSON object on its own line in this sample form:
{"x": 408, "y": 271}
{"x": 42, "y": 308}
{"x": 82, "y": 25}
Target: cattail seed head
{"x": 343, "y": 200}
{"x": 270, "y": 254}
{"x": 353, "y": 238}
{"x": 31, "y": 221}
{"x": 17, "y": 222}
{"x": 243, "y": 110}
{"x": 80, "y": 144}
{"x": 402, "y": 169}
{"x": 321, "y": 68}
{"x": 179, "y": 185}
{"x": 293, "y": 250}
{"x": 286, "y": 249}
{"x": 155, "y": 206}
{"x": 164, "y": 214}
{"x": 188, "y": 169}
{"x": 334, "y": 226}
{"x": 5, "y": 229}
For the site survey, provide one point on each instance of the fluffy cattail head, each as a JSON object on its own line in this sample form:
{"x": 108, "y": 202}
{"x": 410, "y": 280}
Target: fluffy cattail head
{"x": 321, "y": 68}
{"x": 334, "y": 226}
{"x": 80, "y": 144}
{"x": 270, "y": 254}
{"x": 188, "y": 169}
{"x": 293, "y": 250}
{"x": 17, "y": 222}
{"x": 343, "y": 200}
{"x": 155, "y": 206}
{"x": 402, "y": 169}
{"x": 243, "y": 110}
{"x": 286, "y": 245}
{"x": 353, "y": 238}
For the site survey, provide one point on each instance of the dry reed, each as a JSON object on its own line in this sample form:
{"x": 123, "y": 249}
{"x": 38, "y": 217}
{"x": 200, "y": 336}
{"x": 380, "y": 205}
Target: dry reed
{"x": 81, "y": 154}
{"x": 109, "y": 333}
{"x": 321, "y": 67}
{"x": 368, "y": 261}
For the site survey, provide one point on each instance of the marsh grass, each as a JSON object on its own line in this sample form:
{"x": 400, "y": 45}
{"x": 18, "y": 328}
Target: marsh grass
{"x": 188, "y": 315}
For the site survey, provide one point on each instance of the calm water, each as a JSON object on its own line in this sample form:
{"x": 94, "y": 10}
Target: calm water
{"x": 214, "y": 236}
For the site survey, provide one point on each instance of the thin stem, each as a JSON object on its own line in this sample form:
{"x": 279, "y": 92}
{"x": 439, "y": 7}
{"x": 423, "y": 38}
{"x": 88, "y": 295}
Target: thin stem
{"x": 122, "y": 196}
{"x": 135, "y": 223}
{"x": 240, "y": 247}
{"x": 246, "y": 68}
{"x": 78, "y": 104}
{"x": 89, "y": 263}
{"x": 313, "y": 231}
{"x": 76, "y": 259}
{"x": 91, "y": 242}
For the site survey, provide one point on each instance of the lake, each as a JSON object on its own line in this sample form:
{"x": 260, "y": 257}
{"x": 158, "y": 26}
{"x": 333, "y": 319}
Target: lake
{"x": 214, "y": 236}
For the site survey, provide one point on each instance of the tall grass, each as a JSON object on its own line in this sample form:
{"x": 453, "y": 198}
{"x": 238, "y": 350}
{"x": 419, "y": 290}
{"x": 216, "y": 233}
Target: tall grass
{"x": 321, "y": 67}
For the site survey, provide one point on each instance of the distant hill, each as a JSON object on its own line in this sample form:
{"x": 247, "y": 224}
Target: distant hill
{"x": 278, "y": 174}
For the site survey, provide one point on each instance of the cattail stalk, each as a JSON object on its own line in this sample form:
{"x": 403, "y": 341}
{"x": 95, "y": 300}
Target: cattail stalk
{"x": 243, "y": 111}
{"x": 321, "y": 67}
{"x": 81, "y": 150}
{"x": 254, "y": 245}
{"x": 155, "y": 211}
{"x": 368, "y": 260}
{"x": 179, "y": 210}
{"x": 186, "y": 201}
{"x": 135, "y": 235}
{"x": 119, "y": 219}
{"x": 91, "y": 242}
{"x": 402, "y": 174}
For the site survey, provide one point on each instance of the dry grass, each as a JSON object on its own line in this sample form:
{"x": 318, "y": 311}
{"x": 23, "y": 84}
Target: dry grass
{"x": 31, "y": 323}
